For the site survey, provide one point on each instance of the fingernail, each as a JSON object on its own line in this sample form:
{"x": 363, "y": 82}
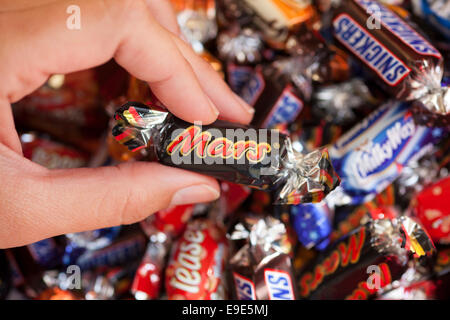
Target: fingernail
{"x": 213, "y": 107}
{"x": 248, "y": 108}
{"x": 194, "y": 194}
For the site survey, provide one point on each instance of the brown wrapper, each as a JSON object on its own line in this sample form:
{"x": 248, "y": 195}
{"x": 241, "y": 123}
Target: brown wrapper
{"x": 261, "y": 269}
{"x": 367, "y": 260}
{"x": 403, "y": 61}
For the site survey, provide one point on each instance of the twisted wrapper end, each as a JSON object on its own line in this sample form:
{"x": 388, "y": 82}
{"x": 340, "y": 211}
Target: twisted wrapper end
{"x": 135, "y": 125}
{"x": 400, "y": 237}
{"x": 416, "y": 238}
{"x": 266, "y": 237}
{"x": 309, "y": 178}
{"x": 433, "y": 109}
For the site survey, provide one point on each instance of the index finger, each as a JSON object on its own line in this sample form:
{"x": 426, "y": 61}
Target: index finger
{"x": 34, "y": 47}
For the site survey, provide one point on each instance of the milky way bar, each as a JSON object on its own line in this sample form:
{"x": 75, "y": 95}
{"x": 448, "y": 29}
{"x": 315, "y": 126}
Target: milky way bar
{"x": 372, "y": 154}
{"x": 406, "y": 64}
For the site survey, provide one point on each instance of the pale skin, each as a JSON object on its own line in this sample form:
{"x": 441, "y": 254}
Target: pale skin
{"x": 143, "y": 37}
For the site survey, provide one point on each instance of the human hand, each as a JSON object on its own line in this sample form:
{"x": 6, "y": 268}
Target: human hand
{"x": 37, "y": 203}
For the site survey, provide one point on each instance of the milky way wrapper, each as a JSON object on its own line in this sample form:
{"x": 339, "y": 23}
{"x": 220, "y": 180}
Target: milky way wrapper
{"x": 260, "y": 158}
{"x": 434, "y": 12}
{"x": 373, "y": 154}
{"x": 366, "y": 261}
{"x": 407, "y": 65}
{"x": 83, "y": 243}
{"x": 123, "y": 250}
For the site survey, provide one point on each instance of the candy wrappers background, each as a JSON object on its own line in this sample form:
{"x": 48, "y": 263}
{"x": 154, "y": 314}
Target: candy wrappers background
{"x": 365, "y": 80}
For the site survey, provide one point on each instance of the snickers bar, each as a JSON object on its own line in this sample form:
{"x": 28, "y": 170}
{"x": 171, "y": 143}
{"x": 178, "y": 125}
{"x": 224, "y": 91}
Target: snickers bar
{"x": 408, "y": 66}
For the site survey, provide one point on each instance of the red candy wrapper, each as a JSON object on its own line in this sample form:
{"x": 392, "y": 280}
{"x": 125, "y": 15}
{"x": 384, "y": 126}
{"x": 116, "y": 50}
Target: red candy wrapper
{"x": 68, "y": 107}
{"x": 71, "y": 98}
{"x": 147, "y": 283}
{"x": 197, "y": 263}
{"x": 431, "y": 206}
{"x": 171, "y": 221}
{"x": 50, "y": 154}
{"x": 234, "y": 195}
{"x": 161, "y": 228}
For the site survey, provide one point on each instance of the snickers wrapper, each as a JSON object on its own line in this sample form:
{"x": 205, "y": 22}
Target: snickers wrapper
{"x": 407, "y": 65}
{"x": 261, "y": 270}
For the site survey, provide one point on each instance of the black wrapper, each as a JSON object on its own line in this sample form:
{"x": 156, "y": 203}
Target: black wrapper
{"x": 365, "y": 261}
{"x": 260, "y": 158}
{"x": 5, "y": 276}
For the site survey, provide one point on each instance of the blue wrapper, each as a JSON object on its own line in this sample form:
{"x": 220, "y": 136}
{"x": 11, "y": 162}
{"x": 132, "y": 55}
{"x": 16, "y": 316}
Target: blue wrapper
{"x": 435, "y": 13}
{"x": 372, "y": 155}
{"x": 119, "y": 252}
{"x": 46, "y": 252}
{"x": 313, "y": 224}
{"x": 239, "y": 76}
{"x": 81, "y": 242}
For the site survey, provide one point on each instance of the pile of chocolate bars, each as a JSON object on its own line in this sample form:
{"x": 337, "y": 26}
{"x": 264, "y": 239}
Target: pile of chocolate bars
{"x": 337, "y": 189}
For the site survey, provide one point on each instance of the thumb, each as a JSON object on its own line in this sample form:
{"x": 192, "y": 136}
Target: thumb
{"x": 48, "y": 203}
